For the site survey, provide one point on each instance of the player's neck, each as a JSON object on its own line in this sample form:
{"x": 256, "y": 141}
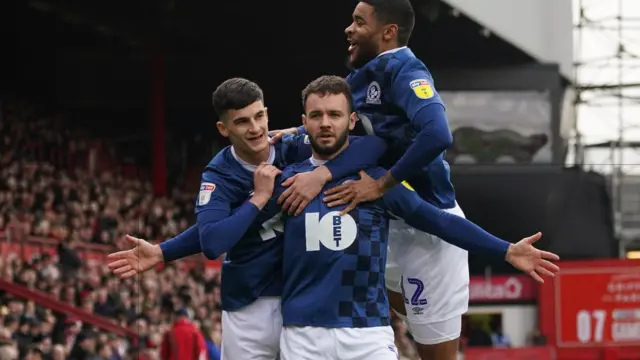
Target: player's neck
{"x": 331, "y": 156}
{"x": 384, "y": 47}
{"x": 253, "y": 158}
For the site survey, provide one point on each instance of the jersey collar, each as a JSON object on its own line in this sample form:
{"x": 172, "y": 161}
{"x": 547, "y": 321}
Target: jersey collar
{"x": 392, "y": 50}
{"x": 252, "y": 168}
{"x": 317, "y": 162}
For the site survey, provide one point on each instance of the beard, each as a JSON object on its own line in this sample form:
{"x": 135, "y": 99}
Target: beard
{"x": 329, "y": 150}
{"x": 366, "y": 51}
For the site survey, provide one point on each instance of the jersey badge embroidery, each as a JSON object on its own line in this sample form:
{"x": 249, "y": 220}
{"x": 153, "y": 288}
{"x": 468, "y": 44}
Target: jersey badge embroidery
{"x": 374, "y": 93}
{"x": 205, "y": 193}
{"x": 422, "y": 88}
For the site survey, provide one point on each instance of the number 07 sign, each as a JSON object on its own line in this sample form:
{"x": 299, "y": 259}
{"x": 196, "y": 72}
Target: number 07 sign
{"x": 594, "y": 303}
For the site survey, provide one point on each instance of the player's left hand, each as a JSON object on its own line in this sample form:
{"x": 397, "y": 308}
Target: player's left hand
{"x": 276, "y": 135}
{"x": 353, "y": 193}
{"x": 525, "y": 257}
{"x": 301, "y": 189}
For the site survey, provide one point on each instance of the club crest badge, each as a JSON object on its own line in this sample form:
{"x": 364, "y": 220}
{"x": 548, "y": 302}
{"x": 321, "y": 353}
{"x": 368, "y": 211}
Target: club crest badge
{"x": 374, "y": 93}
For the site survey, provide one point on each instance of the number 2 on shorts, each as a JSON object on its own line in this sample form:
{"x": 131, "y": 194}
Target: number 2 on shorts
{"x": 417, "y": 293}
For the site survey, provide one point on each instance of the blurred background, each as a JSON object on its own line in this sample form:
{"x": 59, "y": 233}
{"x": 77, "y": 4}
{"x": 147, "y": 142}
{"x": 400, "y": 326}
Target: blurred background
{"x": 106, "y": 124}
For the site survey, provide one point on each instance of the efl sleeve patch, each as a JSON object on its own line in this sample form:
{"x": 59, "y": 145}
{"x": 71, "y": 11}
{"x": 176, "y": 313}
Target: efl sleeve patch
{"x": 422, "y": 88}
{"x": 205, "y": 193}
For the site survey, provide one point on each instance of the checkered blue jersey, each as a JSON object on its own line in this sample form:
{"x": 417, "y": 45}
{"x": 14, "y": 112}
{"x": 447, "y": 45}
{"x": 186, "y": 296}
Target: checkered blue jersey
{"x": 334, "y": 266}
{"x": 251, "y": 238}
{"x": 389, "y": 91}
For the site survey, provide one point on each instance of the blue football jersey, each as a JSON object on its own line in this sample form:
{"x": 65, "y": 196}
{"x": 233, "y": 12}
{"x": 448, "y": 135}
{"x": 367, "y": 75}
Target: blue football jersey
{"x": 388, "y": 92}
{"x": 252, "y": 268}
{"x": 333, "y": 266}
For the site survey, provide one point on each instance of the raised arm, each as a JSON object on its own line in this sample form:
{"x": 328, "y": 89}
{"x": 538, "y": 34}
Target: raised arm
{"x": 219, "y": 228}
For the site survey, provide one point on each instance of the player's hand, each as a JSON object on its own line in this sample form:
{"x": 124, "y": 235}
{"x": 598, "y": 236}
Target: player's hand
{"x": 276, "y": 135}
{"x": 263, "y": 183}
{"x": 142, "y": 257}
{"x": 301, "y": 189}
{"x": 353, "y": 193}
{"x": 525, "y": 257}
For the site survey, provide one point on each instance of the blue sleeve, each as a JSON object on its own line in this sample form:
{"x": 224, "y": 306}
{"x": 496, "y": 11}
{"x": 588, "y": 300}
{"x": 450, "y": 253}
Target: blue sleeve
{"x": 453, "y": 229}
{"x": 363, "y": 152}
{"x": 185, "y": 244}
{"x": 301, "y": 130}
{"x": 218, "y": 227}
{"x": 413, "y": 92}
{"x": 296, "y": 148}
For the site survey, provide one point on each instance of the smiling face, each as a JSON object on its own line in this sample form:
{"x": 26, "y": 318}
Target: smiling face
{"x": 364, "y": 35}
{"x": 246, "y": 128}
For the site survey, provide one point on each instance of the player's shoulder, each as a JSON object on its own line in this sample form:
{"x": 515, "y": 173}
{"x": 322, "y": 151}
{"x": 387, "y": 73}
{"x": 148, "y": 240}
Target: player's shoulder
{"x": 223, "y": 170}
{"x": 297, "y": 168}
{"x": 404, "y": 61}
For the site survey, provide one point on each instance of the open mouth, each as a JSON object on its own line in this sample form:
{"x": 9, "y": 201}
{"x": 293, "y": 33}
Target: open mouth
{"x": 325, "y": 137}
{"x": 256, "y": 138}
{"x": 352, "y": 45}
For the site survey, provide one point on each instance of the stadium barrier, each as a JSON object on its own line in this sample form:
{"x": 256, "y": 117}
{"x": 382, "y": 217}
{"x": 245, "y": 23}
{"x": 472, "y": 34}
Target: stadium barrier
{"x": 523, "y": 353}
{"x": 56, "y": 305}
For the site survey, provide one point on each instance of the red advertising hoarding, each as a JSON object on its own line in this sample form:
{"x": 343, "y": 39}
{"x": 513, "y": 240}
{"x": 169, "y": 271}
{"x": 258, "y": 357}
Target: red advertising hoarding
{"x": 501, "y": 288}
{"x": 523, "y": 353}
{"x": 592, "y": 305}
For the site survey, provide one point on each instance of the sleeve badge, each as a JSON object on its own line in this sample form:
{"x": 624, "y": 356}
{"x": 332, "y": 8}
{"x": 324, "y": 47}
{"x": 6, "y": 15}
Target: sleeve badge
{"x": 422, "y": 89}
{"x": 205, "y": 193}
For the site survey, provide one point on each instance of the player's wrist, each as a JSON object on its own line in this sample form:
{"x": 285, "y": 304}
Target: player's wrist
{"x": 509, "y": 253}
{"x": 157, "y": 254}
{"x": 260, "y": 200}
{"x": 324, "y": 173}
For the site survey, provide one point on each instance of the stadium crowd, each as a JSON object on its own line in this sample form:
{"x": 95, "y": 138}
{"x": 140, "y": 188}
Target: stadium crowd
{"x": 67, "y": 204}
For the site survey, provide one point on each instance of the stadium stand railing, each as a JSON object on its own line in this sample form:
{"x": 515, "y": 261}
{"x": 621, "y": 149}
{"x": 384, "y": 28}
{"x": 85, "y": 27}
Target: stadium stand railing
{"x": 49, "y": 302}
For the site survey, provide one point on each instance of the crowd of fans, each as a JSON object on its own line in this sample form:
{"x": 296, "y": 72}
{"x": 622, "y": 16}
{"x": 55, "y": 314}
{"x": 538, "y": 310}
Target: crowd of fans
{"x": 71, "y": 206}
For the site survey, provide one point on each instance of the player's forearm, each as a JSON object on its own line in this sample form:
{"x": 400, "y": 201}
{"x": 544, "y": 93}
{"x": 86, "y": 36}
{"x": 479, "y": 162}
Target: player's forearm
{"x": 457, "y": 231}
{"x": 433, "y": 139}
{"x": 218, "y": 236}
{"x": 185, "y": 244}
{"x": 363, "y": 152}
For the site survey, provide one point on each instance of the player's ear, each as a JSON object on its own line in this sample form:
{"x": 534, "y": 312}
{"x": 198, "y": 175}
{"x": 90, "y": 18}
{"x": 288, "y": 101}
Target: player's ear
{"x": 390, "y": 32}
{"x": 352, "y": 120}
{"x": 304, "y": 120}
{"x": 222, "y": 129}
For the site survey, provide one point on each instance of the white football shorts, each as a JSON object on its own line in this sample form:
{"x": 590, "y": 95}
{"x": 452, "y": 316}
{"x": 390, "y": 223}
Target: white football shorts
{"x": 315, "y": 343}
{"x": 433, "y": 277}
{"x": 253, "y": 332}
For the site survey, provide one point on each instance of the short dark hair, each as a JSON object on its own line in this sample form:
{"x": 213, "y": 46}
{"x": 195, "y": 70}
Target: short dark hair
{"x": 328, "y": 84}
{"x": 399, "y": 12}
{"x": 235, "y": 94}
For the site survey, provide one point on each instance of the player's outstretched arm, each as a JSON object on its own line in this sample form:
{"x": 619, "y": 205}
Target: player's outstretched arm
{"x": 461, "y": 232}
{"x": 142, "y": 257}
{"x": 363, "y": 152}
{"x": 219, "y": 228}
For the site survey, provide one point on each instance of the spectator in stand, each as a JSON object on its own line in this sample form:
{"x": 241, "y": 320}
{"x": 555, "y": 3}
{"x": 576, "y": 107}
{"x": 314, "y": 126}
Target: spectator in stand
{"x": 183, "y": 341}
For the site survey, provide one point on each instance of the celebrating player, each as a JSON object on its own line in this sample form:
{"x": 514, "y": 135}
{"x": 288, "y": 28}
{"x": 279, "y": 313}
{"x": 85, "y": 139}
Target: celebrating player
{"x": 334, "y": 303}
{"x": 395, "y": 97}
{"x": 232, "y": 219}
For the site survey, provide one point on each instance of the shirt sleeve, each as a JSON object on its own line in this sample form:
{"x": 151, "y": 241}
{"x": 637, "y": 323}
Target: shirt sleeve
{"x": 220, "y": 228}
{"x": 362, "y": 153}
{"x": 456, "y": 230}
{"x": 187, "y": 243}
{"x": 414, "y": 93}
